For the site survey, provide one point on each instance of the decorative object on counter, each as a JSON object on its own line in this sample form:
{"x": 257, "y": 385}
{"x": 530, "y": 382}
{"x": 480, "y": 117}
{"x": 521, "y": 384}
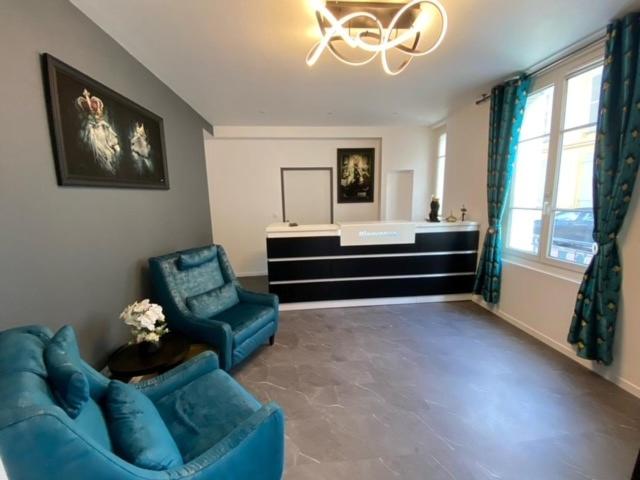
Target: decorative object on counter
{"x": 147, "y": 324}
{"x": 463, "y": 213}
{"x": 435, "y": 208}
{"x": 101, "y": 138}
{"x": 356, "y": 176}
{"x": 451, "y": 218}
{"x": 293, "y": 224}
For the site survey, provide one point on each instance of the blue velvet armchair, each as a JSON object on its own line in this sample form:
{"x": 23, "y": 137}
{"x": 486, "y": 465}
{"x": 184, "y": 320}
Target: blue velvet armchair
{"x": 203, "y": 300}
{"x": 222, "y": 432}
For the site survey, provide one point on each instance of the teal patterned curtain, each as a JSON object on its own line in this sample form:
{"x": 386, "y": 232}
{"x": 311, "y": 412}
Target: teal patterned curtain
{"x": 615, "y": 170}
{"x": 507, "y": 110}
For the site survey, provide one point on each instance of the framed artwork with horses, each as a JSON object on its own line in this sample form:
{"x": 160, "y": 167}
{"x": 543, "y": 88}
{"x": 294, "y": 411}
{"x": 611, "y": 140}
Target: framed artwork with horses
{"x": 101, "y": 138}
{"x": 356, "y": 175}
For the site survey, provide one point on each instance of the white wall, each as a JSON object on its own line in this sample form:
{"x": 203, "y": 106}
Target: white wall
{"x": 541, "y": 302}
{"x": 399, "y": 205}
{"x": 243, "y": 168}
{"x": 465, "y": 176}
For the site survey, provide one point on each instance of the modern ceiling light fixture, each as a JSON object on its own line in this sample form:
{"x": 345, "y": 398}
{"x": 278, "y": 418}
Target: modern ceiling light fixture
{"x": 356, "y": 32}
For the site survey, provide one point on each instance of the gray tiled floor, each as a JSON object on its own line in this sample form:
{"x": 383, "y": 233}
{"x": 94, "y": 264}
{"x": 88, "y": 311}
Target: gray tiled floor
{"x": 437, "y": 391}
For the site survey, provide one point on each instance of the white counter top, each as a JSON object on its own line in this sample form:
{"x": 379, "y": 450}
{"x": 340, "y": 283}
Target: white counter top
{"x": 283, "y": 230}
{"x": 283, "y": 227}
{"x": 446, "y": 226}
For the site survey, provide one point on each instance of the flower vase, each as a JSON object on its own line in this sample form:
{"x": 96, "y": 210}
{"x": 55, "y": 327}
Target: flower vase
{"x": 149, "y": 348}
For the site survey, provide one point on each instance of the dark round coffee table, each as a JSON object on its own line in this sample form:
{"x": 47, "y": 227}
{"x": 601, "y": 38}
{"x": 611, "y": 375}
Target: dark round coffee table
{"x": 132, "y": 361}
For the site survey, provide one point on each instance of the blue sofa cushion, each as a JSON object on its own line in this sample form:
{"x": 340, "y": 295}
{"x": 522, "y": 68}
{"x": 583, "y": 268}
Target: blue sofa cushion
{"x": 210, "y": 303}
{"x": 246, "y": 319}
{"x": 195, "y": 258}
{"x": 203, "y": 412}
{"x": 64, "y": 367}
{"x": 137, "y": 431}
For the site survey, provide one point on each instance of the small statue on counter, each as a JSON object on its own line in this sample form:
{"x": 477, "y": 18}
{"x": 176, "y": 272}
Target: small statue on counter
{"x": 451, "y": 218}
{"x": 435, "y": 208}
{"x": 463, "y": 211}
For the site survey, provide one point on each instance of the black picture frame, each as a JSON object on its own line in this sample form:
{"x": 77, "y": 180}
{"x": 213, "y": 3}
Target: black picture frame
{"x": 356, "y": 175}
{"x": 101, "y": 138}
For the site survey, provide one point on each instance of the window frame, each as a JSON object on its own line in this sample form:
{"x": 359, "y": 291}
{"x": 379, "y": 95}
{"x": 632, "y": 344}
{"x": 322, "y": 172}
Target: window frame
{"x": 558, "y": 77}
{"x": 441, "y": 161}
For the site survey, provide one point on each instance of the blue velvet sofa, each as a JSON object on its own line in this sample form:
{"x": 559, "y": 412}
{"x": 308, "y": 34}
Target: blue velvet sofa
{"x": 220, "y": 430}
{"x": 203, "y": 300}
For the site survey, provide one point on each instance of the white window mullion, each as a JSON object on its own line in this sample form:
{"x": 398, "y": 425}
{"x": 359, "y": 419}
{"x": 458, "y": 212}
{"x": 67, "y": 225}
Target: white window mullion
{"x": 552, "y": 164}
{"x": 569, "y": 126}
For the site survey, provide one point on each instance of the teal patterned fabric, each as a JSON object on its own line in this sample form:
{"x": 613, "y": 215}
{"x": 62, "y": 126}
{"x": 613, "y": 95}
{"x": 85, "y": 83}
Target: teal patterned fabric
{"x": 211, "y": 303}
{"x": 193, "y": 412}
{"x": 185, "y": 284}
{"x": 219, "y": 429}
{"x": 197, "y": 257}
{"x": 139, "y": 434}
{"x": 615, "y": 170}
{"x": 64, "y": 367}
{"x": 508, "y": 102}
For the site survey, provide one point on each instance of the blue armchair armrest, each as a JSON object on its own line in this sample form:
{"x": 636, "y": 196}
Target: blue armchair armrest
{"x": 267, "y": 299}
{"x": 253, "y": 450}
{"x": 175, "y": 378}
{"x": 213, "y": 332}
{"x": 50, "y": 436}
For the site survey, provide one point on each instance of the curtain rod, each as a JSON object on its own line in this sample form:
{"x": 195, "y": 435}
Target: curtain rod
{"x": 557, "y": 58}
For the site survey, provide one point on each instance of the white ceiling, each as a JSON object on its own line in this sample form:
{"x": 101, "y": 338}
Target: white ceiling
{"x": 241, "y": 62}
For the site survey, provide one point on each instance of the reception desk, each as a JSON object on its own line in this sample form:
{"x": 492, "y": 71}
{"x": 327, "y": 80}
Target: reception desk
{"x": 371, "y": 263}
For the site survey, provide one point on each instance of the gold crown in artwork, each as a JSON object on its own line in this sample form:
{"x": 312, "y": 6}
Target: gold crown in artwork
{"x": 90, "y": 104}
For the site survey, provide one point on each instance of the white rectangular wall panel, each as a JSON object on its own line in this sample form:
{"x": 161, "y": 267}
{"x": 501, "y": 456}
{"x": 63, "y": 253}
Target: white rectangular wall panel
{"x": 307, "y": 196}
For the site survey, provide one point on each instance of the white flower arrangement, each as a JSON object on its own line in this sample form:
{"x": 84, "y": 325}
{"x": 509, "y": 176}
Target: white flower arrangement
{"x": 146, "y": 320}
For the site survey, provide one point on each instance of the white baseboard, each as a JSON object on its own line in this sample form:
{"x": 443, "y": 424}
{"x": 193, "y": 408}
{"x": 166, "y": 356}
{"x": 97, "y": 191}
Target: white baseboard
{"x": 565, "y": 349}
{"x": 251, "y": 274}
{"x": 369, "y": 302}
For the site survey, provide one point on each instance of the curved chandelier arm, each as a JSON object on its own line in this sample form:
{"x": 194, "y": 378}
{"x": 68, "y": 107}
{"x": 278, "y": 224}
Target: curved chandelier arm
{"x": 337, "y": 32}
{"x": 330, "y": 44}
{"x": 445, "y": 23}
{"x": 402, "y": 48}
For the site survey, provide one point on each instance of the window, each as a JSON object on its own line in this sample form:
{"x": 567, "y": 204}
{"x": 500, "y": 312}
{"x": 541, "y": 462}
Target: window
{"x": 550, "y": 215}
{"x": 442, "y": 156}
{"x": 527, "y": 201}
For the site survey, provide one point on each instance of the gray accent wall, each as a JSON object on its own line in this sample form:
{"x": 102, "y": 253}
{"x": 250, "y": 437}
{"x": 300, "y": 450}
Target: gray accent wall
{"x": 75, "y": 255}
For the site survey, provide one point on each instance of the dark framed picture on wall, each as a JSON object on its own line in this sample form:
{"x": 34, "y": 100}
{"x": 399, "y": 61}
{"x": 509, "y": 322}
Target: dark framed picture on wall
{"x": 101, "y": 138}
{"x": 356, "y": 175}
